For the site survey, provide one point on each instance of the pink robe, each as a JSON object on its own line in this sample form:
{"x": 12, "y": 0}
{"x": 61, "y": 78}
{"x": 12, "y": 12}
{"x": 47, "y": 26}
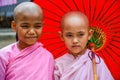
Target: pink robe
{"x": 69, "y": 68}
{"x": 32, "y": 63}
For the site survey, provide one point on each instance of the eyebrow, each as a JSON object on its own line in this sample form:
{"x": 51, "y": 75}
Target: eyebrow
{"x": 35, "y": 23}
{"x": 81, "y": 31}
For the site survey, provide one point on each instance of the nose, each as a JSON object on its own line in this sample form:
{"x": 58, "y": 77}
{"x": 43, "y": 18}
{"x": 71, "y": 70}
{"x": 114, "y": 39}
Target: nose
{"x": 75, "y": 40}
{"x": 31, "y": 31}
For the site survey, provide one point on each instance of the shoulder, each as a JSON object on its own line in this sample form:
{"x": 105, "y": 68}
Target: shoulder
{"x": 8, "y": 49}
{"x": 62, "y": 58}
{"x": 46, "y": 52}
{"x": 6, "y": 52}
{"x": 61, "y": 62}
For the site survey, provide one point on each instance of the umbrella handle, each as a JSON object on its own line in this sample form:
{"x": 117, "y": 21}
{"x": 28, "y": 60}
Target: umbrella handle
{"x": 94, "y": 66}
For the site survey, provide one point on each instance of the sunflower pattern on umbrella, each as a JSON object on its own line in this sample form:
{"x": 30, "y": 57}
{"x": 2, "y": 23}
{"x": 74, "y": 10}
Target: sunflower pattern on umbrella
{"x": 104, "y": 17}
{"x": 98, "y": 39}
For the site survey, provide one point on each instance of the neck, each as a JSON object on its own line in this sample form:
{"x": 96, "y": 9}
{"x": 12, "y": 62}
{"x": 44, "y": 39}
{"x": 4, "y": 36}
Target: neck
{"x": 78, "y": 54}
{"x": 22, "y": 45}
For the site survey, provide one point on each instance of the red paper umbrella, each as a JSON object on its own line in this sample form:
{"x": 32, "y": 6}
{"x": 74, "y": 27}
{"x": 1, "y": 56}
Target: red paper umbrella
{"x": 104, "y": 17}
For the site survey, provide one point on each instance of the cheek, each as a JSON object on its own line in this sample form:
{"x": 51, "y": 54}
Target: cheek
{"x": 85, "y": 41}
{"x": 39, "y": 32}
{"x": 21, "y": 32}
{"x": 67, "y": 42}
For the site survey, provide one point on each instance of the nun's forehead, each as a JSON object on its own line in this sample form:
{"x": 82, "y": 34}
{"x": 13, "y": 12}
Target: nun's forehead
{"x": 27, "y": 7}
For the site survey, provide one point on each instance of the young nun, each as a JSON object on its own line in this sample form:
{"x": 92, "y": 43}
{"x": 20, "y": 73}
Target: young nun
{"x": 77, "y": 63}
{"x": 26, "y": 59}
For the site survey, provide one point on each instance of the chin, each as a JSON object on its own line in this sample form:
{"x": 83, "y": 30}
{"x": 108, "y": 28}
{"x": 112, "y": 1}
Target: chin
{"x": 31, "y": 43}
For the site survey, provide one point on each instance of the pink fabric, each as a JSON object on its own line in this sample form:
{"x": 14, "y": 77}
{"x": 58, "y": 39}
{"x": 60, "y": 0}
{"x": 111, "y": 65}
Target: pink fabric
{"x": 69, "y": 68}
{"x": 32, "y": 63}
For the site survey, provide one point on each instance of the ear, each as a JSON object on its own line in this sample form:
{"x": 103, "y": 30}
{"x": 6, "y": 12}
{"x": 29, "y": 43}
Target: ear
{"x": 61, "y": 35}
{"x": 90, "y": 34}
{"x": 13, "y": 26}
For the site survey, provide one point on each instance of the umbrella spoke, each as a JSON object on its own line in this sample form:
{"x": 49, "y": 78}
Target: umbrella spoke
{"x": 52, "y": 44}
{"x": 115, "y": 46}
{"x": 101, "y": 11}
{"x": 95, "y": 10}
{"x": 103, "y": 56}
{"x": 49, "y": 38}
{"x": 52, "y": 19}
{"x": 57, "y": 6}
{"x": 90, "y": 10}
{"x": 57, "y": 47}
{"x": 109, "y": 16}
{"x": 110, "y": 21}
{"x": 111, "y": 49}
{"x": 67, "y": 5}
{"x": 110, "y": 56}
{"x": 118, "y": 27}
{"x": 107, "y": 10}
{"x": 83, "y": 4}
{"x": 51, "y": 12}
{"x": 61, "y": 52}
{"x": 75, "y": 4}
{"x": 115, "y": 23}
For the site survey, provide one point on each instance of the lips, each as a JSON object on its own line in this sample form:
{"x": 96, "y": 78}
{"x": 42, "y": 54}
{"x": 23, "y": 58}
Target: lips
{"x": 75, "y": 46}
{"x": 32, "y": 37}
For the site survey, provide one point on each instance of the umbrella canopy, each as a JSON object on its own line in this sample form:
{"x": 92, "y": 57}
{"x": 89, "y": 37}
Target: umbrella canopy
{"x": 104, "y": 17}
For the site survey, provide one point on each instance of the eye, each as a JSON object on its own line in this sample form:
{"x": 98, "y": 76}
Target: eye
{"x": 81, "y": 34}
{"x": 38, "y": 26}
{"x": 25, "y": 26}
{"x": 68, "y": 35}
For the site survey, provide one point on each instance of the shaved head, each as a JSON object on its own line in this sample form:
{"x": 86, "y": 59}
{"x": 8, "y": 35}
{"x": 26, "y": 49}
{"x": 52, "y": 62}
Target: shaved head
{"x": 28, "y": 7}
{"x": 74, "y": 18}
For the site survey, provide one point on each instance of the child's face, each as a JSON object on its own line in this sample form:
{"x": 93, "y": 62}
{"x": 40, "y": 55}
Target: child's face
{"x": 28, "y": 28}
{"x": 75, "y": 34}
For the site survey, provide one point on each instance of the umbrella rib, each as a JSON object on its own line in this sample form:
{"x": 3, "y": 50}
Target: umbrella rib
{"x": 116, "y": 36}
{"x": 115, "y": 23}
{"x": 110, "y": 14}
{"x": 115, "y": 27}
{"x": 52, "y": 19}
{"x": 105, "y": 58}
{"x": 107, "y": 10}
{"x": 75, "y": 4}
{"x": 56, "y": 6}
{"x": 52, "y": 12}
{"x": 94, "y": 10}
{"x": 117, "y": 64}
{"x": 50, "y": 32}
{"x": 50, "y": 38}
{"x": 62, "y": 52}
{"x": 101, "y": 11}
{"x": 116, "y": 32}
{"x": 67, "y": 5}
{"x": 49, "y": 25}
{"x": 54, "y": 43}
{"x": 116, "y": 41}
{"x": 113, "y": 51}
{"x": 83, "y": 6}
{"x": 57, "y": 48}
{"x": 90, "y": 9}
{"x": 108, "y": 22}
{"x": 114, "y": 46}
